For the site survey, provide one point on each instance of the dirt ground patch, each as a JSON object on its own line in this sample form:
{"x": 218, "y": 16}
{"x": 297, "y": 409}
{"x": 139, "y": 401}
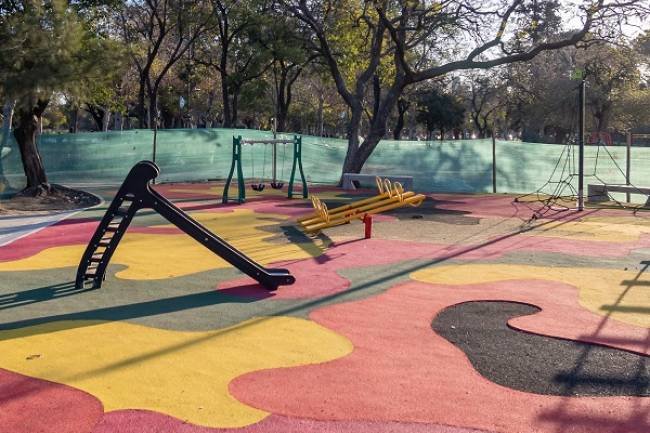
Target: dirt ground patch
{"x": 59, "y": 198}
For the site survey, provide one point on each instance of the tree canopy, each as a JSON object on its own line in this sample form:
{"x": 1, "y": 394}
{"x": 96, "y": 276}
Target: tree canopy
{"x": 365, "y": 70}
{"x": 47, "y": 47}
{"x": 437, "y": 110}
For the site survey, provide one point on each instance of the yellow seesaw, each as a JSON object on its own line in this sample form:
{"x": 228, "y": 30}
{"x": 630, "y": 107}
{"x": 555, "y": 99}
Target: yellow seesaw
{"x": 391, "y": 196}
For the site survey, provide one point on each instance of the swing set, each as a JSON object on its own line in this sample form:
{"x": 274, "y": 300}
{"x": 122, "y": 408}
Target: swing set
{"x": 258, "y": 183}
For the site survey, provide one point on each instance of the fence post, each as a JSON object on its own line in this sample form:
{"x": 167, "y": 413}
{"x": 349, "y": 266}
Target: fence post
{"x": 155, "y": 138}
{"x": 628, "y": 161}
{"x": 494, "y": 163}
{"x": 275, "y": 159}
{"x": 581, "y": 149}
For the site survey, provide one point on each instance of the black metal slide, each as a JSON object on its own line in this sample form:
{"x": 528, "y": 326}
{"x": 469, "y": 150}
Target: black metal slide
{"x": 135, "y": 194}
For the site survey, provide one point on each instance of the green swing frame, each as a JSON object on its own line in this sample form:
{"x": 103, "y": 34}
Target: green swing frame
{"x": 238, "y": 142}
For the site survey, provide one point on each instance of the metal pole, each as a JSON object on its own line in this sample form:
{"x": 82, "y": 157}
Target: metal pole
{"x": 581, "y": 151}
{"x": 275, "y": 160}
{"x": 275, "y": 151}
{"x": 155, "y": 136}
{"x": 494, "y": 163}
{"x": 628, "y": 162}
{"x": 155, "y": 131}
{"x": 7, "y": 115}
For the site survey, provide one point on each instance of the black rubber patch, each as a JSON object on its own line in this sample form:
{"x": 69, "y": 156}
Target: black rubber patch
{"x": 535, "y": 363}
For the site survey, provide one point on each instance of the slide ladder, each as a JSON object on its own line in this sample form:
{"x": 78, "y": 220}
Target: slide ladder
{"x": 135, "y": 194}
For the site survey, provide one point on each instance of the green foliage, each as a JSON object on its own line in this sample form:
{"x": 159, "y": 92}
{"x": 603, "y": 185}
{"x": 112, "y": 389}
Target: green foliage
{"x": 538, "y": 20}
{"x": 542, "y": 97}
{"x": 250, "y": 97}
{"x": 349, "y": 30}
{"x": 72, "y": 49}
{"x": 47, "y": 47}
{"x": 55, "y": 116}
{"x": 437, "y": 110}
{"x": 633, "y": 110}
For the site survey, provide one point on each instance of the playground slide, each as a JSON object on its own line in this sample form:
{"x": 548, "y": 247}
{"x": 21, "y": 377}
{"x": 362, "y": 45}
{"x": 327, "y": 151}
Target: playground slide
{"x": 135, "y": 194}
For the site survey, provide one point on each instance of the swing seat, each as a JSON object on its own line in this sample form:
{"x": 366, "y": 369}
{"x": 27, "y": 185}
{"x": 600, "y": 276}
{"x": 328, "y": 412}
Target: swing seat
{"x": 258, "y": 186}
{"x": 277, "y": 185}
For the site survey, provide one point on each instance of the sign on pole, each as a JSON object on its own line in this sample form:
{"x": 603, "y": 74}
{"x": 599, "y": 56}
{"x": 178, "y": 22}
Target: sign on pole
{"x": 578, "y": 74}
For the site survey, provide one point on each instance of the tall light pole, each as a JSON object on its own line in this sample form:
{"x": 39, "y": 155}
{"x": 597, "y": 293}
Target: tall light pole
{"x": 581, "y": 149}
{"x": 580, "y": 74}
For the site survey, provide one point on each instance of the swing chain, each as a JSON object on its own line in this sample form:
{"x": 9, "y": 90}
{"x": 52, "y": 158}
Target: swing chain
{"x": 259, "y": 186}
{"x": 279, "y": 184}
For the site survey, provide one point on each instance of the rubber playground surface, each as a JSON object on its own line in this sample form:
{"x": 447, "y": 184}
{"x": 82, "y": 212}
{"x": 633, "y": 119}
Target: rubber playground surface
{"x": 460, "y": 316}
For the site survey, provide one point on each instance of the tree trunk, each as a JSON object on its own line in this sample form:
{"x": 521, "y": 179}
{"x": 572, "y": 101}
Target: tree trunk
{"x": 225, "y": 96}
{"x": 74, "y": 120}
{"x": 118, "y": 121}
{"x": 402, "y": 107}
{"x": 142, "y": 108}
{"x": 282, "y": 111}
{"x": 106, "y": 120}
{"x": 281, "y": 108}
{"x": 154, "y": 116}
{"x": 358, "y": 154}
{"x": 321, "y": 121}
{"x": 233, "y": 112}
{"x": 282, "y": 120}
{"x": 351, "y": 164}
{"x": 601, "y": 121}
{"x": 98, "y": 114}
{"x": 25, "y": 134}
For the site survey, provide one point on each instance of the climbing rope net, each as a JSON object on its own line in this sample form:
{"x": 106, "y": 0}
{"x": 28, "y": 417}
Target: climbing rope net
{"x": 559, "y": 192}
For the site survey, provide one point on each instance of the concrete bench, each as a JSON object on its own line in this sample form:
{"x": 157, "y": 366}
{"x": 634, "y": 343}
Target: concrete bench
{"x": 350, "y": 178}
{"x": 600, "y": 192}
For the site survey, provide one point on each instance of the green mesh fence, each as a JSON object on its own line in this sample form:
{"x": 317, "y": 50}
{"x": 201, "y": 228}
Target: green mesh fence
{"x": 200, "y": 154}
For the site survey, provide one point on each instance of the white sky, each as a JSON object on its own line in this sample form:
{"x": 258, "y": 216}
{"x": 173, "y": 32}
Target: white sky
{"x": 633, "y": 29}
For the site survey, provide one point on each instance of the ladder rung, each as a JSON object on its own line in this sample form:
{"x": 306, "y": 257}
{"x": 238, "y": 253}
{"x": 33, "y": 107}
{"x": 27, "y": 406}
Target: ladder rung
{"x": 112, "y": 227}
{"x": 104, "y": 242}
{"x": 122, "y": 212}
{"x": 89, "y": 275}
{"x": 97, "y": 256}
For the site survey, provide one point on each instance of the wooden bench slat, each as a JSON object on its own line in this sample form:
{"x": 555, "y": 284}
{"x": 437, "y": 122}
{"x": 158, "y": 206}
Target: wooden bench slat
{"x": 619, "y": 188}
{"x": 630, "y": 189}
{"x": 599, "y": 192}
